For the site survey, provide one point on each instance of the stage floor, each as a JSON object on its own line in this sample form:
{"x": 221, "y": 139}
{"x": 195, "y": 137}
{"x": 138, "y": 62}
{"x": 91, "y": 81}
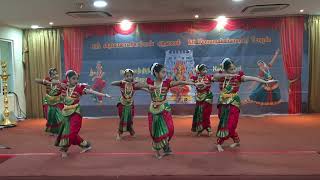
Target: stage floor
{"x": 271, "y": 146}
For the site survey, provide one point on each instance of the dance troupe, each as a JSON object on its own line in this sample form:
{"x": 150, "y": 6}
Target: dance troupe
{"x": 61, "y": 105}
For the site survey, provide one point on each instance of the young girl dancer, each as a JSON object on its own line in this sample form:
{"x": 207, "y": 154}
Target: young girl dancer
{"x": 52, "y": 104}
{"x": 126, "y": 104}
{"x": 229, "y": 103}
{"x": 204, "y": 97}
{"x": 266, "y": 94}
{"x": 72, "y": 119}
{"x": 160, "y": 121}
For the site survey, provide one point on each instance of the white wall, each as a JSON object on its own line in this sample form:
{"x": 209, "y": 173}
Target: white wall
{"x": 16, "y": 35}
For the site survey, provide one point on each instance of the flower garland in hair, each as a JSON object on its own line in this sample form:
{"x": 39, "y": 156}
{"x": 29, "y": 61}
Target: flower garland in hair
{"x": 69, "y": 71}
{"x": 152, "y": 68}
{"x": 128, "y": 70}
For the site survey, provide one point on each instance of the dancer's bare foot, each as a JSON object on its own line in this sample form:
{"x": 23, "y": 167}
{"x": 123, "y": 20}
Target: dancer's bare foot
{"x": 234, "y": 145}
{"x": 209, "y": 133}
{"x": 50, "y": 134}
{"x": 86, "y": 149}
{"x": 158, "y": 155}
{"x": 118, "y": 137}
{"x": 167, "y": 151}
{"x": 64, "y": 154}
{"x": 219, "y": 147}
{"x": 133, "y": 133}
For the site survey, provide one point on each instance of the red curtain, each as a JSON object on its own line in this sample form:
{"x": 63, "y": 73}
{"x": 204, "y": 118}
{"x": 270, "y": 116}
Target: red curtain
{"x": 291, "y": 33}
{"x": 254, "y": 23}
{"x": 73, "y": 47}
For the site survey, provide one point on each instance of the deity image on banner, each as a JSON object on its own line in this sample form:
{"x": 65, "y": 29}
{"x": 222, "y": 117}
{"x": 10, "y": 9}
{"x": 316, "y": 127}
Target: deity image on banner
{"x": 179, "y": 65}
{"x": 99, "y": 83}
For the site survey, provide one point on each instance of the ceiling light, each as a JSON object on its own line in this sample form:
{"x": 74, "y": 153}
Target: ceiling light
{"x": 125, "y": 25}
{"x": 301, "y": 10}
{"x": 35, "y": 26}
{"x": 196, "y": 16}
{"x": 100, "y": 4}
{"x": 222, "y": 22}
{"x": 237, "y": 0}
{"x": 51, "y": 23}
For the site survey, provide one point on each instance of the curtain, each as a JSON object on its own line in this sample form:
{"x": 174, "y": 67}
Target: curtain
{"x": 291, "y": 36}
{"x": 41, "y": 52}
{"x": 314, "y": 62}
{"x": 73, "y": 47}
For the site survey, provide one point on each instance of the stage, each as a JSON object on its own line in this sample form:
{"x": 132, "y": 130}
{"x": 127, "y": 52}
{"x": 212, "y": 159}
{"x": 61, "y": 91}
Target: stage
{"x": 278, "y": 147}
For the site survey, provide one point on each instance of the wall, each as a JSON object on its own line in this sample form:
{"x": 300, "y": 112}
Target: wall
{"x": 16, "y": 35}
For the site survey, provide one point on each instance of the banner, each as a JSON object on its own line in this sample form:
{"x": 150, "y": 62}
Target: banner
{"x": 256, "y": 52}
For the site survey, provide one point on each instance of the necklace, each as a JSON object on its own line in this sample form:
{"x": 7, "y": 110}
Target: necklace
{"x": 226, "y": 82}
{"x": 70, "y": 91}
{"x": 158, "y": 89}
{"x": 128, "y": 90}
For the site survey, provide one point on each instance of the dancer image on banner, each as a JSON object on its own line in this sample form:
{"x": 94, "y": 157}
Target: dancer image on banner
{"x": 52, "y": 104}
{"x": 98, "y": 82}
{"x": 160, "y": 120}
{"x": 266, "y": 94}
{"x": 229, "y": 103}
{"x": 126, "y": 104}
{"x": 71, "y": 119}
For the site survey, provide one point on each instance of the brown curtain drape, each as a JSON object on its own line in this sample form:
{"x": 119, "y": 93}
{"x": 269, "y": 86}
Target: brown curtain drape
{"x": 41, "y": 52}
{"x": 314, "y": 62}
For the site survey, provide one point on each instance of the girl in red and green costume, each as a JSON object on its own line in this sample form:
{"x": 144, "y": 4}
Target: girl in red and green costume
{"x": 52, "y": 104}
{"x": 204, "y": 97}
{"x": 126, "y": 104}
{"x": 160, "y": 120}
{"x": 72, "y": 119}
{"x": 229, "y": 103}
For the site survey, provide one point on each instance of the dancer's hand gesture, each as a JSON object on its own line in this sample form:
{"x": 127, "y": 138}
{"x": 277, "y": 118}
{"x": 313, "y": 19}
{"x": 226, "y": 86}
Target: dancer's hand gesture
{"x": 108, "y": 96}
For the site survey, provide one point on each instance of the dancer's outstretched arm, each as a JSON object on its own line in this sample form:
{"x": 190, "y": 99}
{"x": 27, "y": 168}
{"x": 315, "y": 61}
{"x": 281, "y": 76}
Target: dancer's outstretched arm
{"x": 46, "y": 82}
{"x": 116, "y": 83}
{"x": 274, "y": 58}
{"x": 178, "y": 83}
{"x": 217, "y": 76}
{"x": 252, "y": 78}
{"x": 90, "y": 91}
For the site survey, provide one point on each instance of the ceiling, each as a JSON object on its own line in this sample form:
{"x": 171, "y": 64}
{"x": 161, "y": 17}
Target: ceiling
{"x": 24, "y": 13}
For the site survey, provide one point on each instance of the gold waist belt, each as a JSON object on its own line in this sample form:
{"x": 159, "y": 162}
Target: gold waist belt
{"x": 53, "y": 98}
{"x": 157, "y": 103}
{"x": 229, "y": 95}
{"x": 68, "y": 107}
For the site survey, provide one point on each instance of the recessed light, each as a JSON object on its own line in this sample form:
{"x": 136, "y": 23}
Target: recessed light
{"x": 301, "y": 10}
{"x": 51, "y": 23}
{"x": 125, "y": 24}
{"x": 196, "y": 16}
{"x": 35, "y": 26}
{"x": 237, "y": 0}
{"x": 100, "y": 4}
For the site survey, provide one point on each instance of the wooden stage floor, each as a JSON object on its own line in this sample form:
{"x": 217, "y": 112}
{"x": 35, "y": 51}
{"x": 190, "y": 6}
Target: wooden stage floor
{"x": 278, "y": 147}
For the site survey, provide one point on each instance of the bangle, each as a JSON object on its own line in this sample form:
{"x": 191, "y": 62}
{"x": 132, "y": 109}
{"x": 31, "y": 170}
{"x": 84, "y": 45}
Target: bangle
{"x": 43, "y": 81}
